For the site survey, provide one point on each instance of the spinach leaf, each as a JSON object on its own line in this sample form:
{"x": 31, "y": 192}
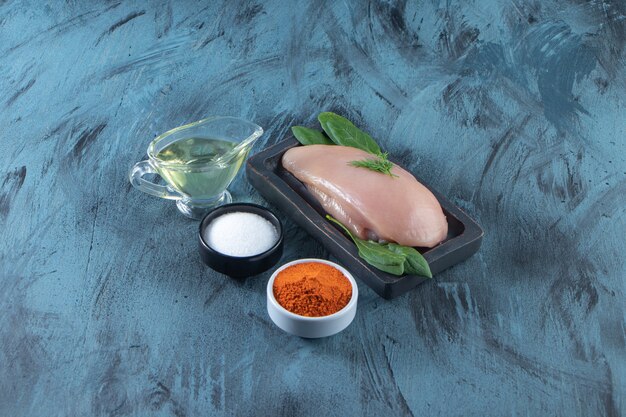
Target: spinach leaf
{"x": 374, "y": 253}
{"x": 343, "y": 132}
{"x": 414, "y": 263}
{"x": 308, "y": 136}
{"x": 380, "y": 257}
{"x": 389, "y": 257}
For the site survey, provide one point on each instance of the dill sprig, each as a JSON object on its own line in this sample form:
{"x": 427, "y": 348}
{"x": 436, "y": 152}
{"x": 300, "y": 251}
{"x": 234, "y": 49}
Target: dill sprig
{"x": 379, "y": 163}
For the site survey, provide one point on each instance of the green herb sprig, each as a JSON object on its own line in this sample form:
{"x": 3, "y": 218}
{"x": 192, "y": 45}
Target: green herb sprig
{"x": 389, "y": 257}
{"x": 380, "y": 163}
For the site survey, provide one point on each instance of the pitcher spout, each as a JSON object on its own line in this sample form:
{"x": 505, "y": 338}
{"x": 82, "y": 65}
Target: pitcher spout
{"x": 254, "y": 132}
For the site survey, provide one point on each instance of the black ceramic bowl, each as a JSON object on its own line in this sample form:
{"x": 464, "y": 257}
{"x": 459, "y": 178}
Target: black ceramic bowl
{"x": 240, "y": 266}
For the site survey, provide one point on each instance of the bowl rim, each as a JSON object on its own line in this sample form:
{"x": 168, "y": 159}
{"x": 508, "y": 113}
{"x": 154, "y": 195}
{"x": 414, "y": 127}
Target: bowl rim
{"x": 255, "y": 257}
{"x": 345, "y": 310}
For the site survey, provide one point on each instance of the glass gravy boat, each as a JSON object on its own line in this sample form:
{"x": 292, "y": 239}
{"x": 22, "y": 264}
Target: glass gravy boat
{"x": 197, "y": 161}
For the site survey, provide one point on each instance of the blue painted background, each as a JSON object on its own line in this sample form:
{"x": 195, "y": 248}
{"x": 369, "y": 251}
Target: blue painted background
{"x": 514, "y": 110}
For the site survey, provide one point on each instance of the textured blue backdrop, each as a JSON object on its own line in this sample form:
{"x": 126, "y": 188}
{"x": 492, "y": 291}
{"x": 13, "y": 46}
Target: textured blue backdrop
{"x": 514, "y": 110}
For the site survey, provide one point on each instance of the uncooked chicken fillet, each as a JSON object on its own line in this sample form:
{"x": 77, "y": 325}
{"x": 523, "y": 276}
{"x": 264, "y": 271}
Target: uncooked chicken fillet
{"x": 373, "y": 205}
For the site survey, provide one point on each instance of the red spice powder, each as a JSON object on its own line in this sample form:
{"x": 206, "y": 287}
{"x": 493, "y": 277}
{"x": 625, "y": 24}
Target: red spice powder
{"x": 312, "y": 289}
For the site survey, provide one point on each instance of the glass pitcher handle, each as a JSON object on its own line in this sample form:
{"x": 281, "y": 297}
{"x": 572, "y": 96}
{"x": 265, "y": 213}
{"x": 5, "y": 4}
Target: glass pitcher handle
{"x": 136, "y": 179}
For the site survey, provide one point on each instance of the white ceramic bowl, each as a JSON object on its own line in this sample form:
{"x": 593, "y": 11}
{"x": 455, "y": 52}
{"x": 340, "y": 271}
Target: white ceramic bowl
{"x": 311, "y": 327}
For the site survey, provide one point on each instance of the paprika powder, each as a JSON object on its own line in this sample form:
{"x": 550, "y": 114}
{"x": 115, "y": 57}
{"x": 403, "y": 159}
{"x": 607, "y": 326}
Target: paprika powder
{"x": 312, "y": 289}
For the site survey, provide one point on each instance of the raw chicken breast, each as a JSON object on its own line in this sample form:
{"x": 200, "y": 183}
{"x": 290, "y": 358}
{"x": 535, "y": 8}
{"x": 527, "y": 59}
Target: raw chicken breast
{"x": 371, "y": 204}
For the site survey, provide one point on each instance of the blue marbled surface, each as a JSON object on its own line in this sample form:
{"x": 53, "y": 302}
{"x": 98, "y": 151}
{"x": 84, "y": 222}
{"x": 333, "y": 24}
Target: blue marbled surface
{"x": 514, "y": 110}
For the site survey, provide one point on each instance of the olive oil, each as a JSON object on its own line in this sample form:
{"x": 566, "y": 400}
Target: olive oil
{"x": 201, "y": 168}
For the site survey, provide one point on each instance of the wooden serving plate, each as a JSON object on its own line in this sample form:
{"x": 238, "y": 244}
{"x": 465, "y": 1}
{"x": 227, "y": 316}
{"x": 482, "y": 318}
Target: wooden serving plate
{"x": 266, "y": 173}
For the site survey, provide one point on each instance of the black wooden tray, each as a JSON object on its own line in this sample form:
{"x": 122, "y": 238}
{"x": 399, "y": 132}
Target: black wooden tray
{"x": 266, "y": 173}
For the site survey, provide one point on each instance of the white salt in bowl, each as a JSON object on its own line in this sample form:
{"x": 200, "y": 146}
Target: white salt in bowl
{"x": 251, "y": 263}
{"x": 311, "y": 327}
